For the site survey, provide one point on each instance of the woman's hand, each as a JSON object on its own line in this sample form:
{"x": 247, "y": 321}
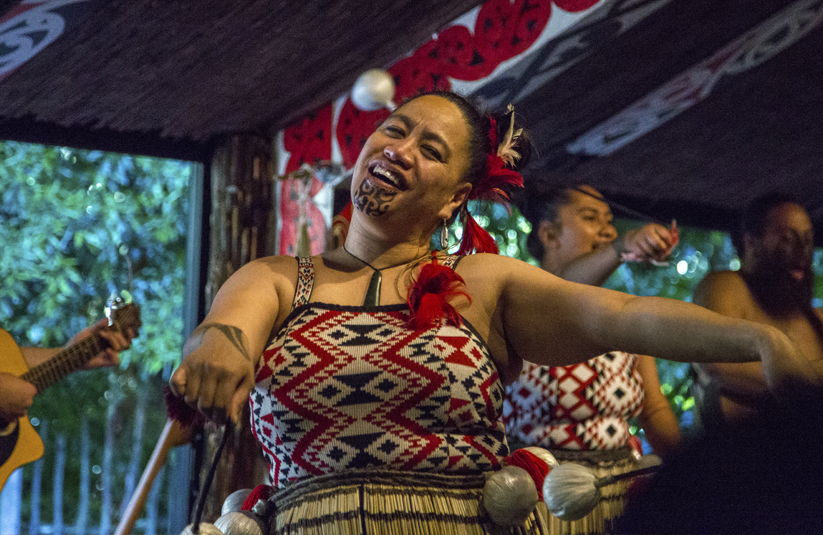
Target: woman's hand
{"x": 791, "y": 376}
{"x": 650, "y": 242}
{"x": 217, "y": 374}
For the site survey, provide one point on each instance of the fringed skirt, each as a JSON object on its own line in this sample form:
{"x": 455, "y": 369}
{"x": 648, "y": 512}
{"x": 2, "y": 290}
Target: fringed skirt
{"x": 378, "y": 502}
{"x": 613, "y": 497}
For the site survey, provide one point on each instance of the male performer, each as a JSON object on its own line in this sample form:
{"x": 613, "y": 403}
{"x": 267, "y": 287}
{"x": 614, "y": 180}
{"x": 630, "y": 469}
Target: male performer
{"x": 774, "y": 286}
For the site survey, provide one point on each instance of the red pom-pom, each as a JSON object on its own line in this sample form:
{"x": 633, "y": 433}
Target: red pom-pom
{"x": 475, "y": 237}
{"x": 428, "y": 297}
{"x": 537, "y": 468}
{"x": 179, "y": 410}
{"x": 260, "y": 492}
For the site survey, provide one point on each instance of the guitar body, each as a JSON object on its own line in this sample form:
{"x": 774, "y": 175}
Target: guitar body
{"x": 19, "y": 442}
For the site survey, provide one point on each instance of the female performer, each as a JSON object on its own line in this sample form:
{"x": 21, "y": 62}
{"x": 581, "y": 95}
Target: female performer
{"x": 581, "y": 412}
{"x": 376, "y": 371}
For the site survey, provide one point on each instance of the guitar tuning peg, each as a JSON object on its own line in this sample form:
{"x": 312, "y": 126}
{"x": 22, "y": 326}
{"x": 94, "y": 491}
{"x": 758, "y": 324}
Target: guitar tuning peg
{"x": 113, "y": 303}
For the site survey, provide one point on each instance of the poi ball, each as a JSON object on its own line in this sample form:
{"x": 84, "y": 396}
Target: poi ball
{"x": 544, "y": 455}
{"x": 204, "y": 529}
{"x": 240, "y": 523}
{"x": 373, "y": 90}
{"x": 570, "y": 492}
{"x": 235, "y": 501}
{"x": 509, "y": 496}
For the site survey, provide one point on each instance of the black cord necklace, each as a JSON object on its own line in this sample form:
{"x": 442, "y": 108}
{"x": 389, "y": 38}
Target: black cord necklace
{"x": 376, "y": 281}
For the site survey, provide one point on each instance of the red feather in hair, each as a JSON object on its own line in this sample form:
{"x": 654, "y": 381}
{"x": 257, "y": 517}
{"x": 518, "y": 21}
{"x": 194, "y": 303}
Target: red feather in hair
{"x": 428, "y": 297}
{"x": 499, "y": 176}
{"x": 475, "y": 237}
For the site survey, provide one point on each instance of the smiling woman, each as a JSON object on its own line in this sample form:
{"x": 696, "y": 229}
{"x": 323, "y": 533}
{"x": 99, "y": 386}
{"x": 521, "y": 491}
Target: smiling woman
{"x": 383, "y": 414}
{"x": 581, "y": 412}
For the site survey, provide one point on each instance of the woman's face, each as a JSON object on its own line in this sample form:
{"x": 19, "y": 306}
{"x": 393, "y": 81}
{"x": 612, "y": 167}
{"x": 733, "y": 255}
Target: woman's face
{"x": 583, "y": 225}
{"x": 411, "y": 169}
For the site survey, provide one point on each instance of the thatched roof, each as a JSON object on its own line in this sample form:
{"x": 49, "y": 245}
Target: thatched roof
{"x": 170, "y": 77}
{"x": 188, "y": 71}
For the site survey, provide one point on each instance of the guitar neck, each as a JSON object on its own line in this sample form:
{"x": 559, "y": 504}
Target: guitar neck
{"x": 65, "y": 362}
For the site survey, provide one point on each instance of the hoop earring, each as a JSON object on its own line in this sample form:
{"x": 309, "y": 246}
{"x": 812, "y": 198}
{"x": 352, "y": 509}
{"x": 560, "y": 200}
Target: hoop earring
{"x": 444, "y": 236}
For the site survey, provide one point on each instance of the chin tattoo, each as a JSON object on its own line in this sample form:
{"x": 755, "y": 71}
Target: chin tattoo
{"x": 372, "y": 200}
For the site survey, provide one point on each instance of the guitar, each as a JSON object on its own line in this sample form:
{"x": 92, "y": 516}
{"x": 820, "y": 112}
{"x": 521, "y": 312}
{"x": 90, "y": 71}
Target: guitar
{"x": 19, "y": 442}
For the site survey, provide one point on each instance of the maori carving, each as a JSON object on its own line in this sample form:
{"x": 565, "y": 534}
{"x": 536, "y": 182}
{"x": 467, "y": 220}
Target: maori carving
{"x": 684, "y": 91}
{"x": 32, "y": 26}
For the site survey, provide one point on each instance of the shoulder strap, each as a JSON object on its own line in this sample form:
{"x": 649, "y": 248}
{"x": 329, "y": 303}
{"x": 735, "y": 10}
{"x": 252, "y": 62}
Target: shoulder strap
{"x": 451, "y": 261}
{"x": 305, "y": 281}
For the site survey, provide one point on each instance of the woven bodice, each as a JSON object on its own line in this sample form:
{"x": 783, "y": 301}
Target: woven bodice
{"x": 342, "y": 387}
{"x": 580, "y": 407}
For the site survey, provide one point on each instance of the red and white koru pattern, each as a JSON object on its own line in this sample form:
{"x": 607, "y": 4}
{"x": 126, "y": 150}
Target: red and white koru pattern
{"x": 580, "y": 407}
{"x": 502, "y": 30}
{"x": 345, "y": 387}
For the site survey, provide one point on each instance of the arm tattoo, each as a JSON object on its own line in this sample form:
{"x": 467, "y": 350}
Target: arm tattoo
{"x": 234, "y": 335}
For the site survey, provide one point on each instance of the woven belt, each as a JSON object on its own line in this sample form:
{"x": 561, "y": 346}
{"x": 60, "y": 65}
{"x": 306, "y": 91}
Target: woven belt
{"x": 294, "y": 490}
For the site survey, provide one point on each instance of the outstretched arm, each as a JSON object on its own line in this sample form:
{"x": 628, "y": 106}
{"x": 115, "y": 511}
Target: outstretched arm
{"x": 541, "y": 313}
{"x": 650, "y": 242}
{"x": 220, "y": 356}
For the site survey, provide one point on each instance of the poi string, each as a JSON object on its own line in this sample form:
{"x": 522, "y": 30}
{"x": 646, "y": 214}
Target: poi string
{"x": 622, "y": 208}
{"x": 626, "y": 257}
{"x": 204, "y": 490}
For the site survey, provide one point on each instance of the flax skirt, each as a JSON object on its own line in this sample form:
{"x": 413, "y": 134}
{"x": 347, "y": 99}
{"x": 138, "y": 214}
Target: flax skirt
{"x": 374, "y": 502}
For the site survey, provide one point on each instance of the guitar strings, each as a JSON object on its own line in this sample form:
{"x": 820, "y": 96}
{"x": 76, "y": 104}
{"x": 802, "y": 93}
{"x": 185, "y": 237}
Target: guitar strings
{"x": 66, "y": 361}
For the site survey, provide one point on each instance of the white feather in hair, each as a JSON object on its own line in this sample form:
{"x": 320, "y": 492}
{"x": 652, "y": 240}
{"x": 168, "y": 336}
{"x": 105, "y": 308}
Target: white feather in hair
{"x": 506, "y": 149}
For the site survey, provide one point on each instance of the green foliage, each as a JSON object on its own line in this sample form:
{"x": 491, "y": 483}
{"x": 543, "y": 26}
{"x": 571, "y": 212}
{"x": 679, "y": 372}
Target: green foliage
{"x": 78, "y": 226}
{"x": 75, "y": 227}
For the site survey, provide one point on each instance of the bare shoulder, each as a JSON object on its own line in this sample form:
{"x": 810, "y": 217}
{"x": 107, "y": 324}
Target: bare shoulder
{"x": 278, "y": 273}
{"x": 721, "y": 281}
{"x": 723, "y": 291}
{"x": 493, "y": 266}
{"x": 274, "y": 266}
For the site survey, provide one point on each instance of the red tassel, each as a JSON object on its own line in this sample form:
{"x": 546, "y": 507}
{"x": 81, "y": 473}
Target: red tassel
{"x": 179, "y": 410}
{"x": 260, "y": 492}
{"x": 429, "y": 296}
{"x": 475, "y": 237}
{"x": 537, "y": 468}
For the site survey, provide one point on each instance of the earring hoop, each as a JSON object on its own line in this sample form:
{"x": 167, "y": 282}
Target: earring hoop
{"x": 444, "y": 235}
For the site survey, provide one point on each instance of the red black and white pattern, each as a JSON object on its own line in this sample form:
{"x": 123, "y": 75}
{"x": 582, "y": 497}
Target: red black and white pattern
{"x": 348, "y": 387}
{"x": 581, "y": 407}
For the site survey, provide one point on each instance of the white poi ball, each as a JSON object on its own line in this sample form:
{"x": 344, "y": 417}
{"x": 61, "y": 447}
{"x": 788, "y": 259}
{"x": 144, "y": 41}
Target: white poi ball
{"x": 509, "y": 496}
{"x": 569, "y": 491}
{"x": 240, "y": 523}
{"x": 373, "y": 90}
{"x": 204, "y": 529}
{"x": 544, "y": 455}
{"x": 235, "y": 500}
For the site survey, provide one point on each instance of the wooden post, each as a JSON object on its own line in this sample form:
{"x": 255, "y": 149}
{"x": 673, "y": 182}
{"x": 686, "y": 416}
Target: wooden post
{"x": 242, "y": 203}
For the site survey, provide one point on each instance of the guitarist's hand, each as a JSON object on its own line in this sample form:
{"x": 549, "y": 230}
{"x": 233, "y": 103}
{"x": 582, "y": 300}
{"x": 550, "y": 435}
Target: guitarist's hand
{"x": 116, "y": 342}
{"x": 16, "y": 396}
